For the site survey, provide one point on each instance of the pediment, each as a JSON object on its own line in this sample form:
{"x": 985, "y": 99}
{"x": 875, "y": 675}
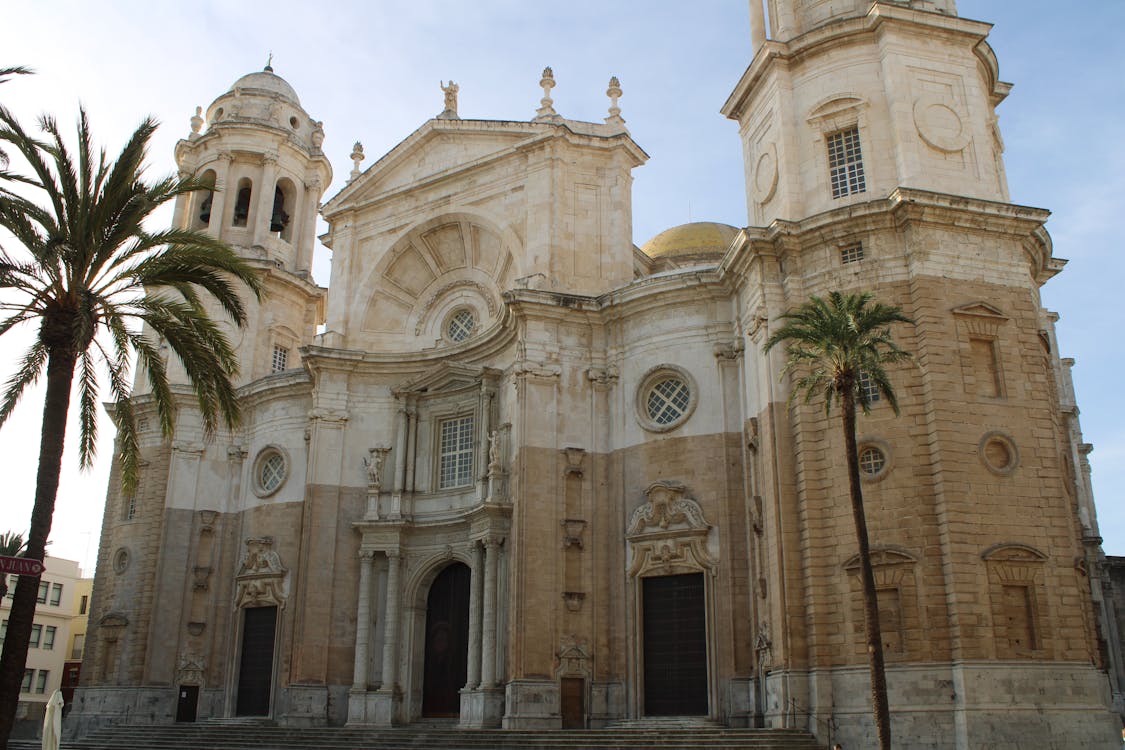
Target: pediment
{"x": 440, "y": 148}
{"x": 446, "y": 377}
{"x": 980, "y": 310}
{"x": 836, "y": 105}
{"x": 882, "y": 556}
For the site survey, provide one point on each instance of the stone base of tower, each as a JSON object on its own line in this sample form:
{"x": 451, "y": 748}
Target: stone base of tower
{"x": 953, "y": 707}
{"x": 375, "y": 708}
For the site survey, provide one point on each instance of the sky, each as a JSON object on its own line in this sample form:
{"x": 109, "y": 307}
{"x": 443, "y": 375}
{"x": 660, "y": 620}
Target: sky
{"x": 371, "y": 71}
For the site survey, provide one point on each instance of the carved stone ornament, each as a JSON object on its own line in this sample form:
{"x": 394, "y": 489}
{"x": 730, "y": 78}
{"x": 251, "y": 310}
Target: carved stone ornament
{"x": 261, "y": 578}
{"x": 190, "y": 669}
{"x": 668, "y": 534}
{"x": 573, "y": 657}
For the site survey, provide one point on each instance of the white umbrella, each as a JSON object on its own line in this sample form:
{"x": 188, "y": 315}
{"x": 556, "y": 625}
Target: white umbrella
{"x": 52, "y": 722}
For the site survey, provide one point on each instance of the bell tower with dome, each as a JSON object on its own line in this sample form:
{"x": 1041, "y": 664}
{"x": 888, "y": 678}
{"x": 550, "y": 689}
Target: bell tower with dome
{"x": 262, "y": 153}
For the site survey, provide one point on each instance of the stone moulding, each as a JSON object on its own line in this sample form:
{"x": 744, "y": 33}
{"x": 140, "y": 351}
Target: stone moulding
{"x": 668, "y": 534}
{"x": 261, "y": 578}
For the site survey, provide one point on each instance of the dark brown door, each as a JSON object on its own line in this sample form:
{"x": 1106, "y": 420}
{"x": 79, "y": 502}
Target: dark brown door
{"x": 447, "y": 642}
{"x": 675, "y": 646}
{"x": 255, "y": 668}
{"x": 573, "y": 703}
{"x": 189, "y": 699}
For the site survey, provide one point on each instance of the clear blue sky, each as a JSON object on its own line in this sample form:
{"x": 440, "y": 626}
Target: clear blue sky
{"x": 371, "y": 72}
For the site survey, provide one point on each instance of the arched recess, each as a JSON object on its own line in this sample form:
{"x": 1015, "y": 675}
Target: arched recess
{"x": 896, "y": 588}
{"x": 451, "y": 262}
{"x": 1017, "y": 588}
{"x": 672, "y": 572}
{"x": 284, "y": 209}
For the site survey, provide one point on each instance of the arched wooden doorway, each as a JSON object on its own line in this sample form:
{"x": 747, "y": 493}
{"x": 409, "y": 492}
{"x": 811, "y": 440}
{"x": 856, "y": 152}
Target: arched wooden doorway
{"x": 447, "y": 642}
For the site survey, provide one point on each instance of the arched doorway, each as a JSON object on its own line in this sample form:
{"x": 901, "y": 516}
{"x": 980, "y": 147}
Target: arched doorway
{"x": 447, "y": 642}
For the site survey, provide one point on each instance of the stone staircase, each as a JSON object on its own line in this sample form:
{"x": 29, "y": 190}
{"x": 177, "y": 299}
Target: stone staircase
{"x": 639, "y": 735}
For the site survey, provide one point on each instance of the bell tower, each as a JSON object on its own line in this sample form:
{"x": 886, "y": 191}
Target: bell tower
{"x": 847, "y": 100}
{"x": 261, "y": 152}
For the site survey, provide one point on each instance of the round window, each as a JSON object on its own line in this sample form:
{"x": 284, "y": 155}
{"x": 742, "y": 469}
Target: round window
{"x": 270, "y": 471}
{"x": 872, "y": 461}
{"x": 999, "y": 453}
{"x": 665, "y": 399}
{"x": 460, "y": 325}
{"x": 120, "y": 560}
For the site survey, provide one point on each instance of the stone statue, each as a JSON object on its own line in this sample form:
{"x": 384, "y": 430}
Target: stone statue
{"x": 450, "y": 99}
{"x": 374, "y": 463}
{"x": 494, "y": 450}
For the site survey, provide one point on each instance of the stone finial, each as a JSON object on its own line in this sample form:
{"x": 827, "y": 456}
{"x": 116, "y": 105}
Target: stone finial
{"x": 318, "y": 134}
{"x": 614, "y": 93}
{"x": 546, "y": 109}
{"x": 356, "y": 157}
{"x": 450, "y": 111}
{"x": 196, "y": 122}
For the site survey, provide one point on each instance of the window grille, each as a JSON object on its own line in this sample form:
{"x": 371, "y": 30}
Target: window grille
{"x": 845, "y": 163}
{"x": 280, "y": 358}
{"x": 456, "y": 452}
{"x": 851, "y": 253}
{"x": 868, "y": 388}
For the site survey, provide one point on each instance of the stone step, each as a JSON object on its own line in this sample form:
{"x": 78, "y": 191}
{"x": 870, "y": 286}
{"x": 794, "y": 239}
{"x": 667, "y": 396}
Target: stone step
{"x": 239, "y": 735}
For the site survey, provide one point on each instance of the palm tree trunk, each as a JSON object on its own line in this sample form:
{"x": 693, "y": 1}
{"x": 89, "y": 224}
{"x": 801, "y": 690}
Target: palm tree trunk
{"x": 60, "y": 374}
{"x": 879, "y": 702}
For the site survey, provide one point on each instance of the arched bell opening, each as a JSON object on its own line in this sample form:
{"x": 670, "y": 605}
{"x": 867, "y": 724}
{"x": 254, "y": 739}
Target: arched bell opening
{"x": 242, "y": 194}
{"x": 202, "y": 200}
{"x": 281, "y": 217}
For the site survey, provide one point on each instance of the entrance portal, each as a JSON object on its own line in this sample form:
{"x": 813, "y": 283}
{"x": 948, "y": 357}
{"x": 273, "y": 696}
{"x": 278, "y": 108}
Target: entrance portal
{"x": 447, "y": 642}
{"x": 675, "y": 646}
{"x": 255, "y": 668}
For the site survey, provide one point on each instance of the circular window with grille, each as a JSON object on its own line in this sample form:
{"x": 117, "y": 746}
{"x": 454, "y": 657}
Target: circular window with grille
{"x": 460, "y": 325}
{"x": 270, "y": 471}
{"x": 874, "y": 459}
{"x": 666, "y": 398}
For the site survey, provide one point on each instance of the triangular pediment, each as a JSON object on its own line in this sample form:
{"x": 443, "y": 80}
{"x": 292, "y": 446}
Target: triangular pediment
{"x": 440, "y": 148}
{"x": 446, "y": 377}
{"x": 980, "y": 310}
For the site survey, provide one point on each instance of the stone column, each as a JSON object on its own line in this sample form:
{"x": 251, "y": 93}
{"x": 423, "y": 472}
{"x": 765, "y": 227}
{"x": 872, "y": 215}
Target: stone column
{"x": 363, "y": 620}
{"x": 757, "y": 25}
{"x": 476, "y": 590}
{"x": 488, "y": 645}
{"x": 391, "y": 624}
{"x": 411, "y": 442}
{"x": 400, "y": 464}
{"x": 183, "y": 202}
{"x": 264, "y": 211}
{"x": 306, "y": 239}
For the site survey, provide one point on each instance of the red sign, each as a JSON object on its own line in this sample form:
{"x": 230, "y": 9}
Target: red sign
{"x": 21, "y": 566}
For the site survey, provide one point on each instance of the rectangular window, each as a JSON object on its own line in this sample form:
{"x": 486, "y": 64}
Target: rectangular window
{"x": 1019, "y": 618}
{"x": 12, "y": 581}
{"x": 890, "y": 618}
{"x": 131, "y": 507}
{"x": 41, "y": 681}
{"x": 456, "y": 451}
{"x": 845, "y": 163}
{"x": 36, "y": 634}
{"x": 280, "y": 358}
{"x": 851, "y": 253}
{"x": 82, "y": 604}
{"x": 78, "y": 647}
{"x": 49, "y": 637}
{"x": 56, "y": 593}
{"x": 3, "y": 630}
{"x": 868, "y": 387}
{"x": 28, "y": 676}
{"x": 44, "y": 587}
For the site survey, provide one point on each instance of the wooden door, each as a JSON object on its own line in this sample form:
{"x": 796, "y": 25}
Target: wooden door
{"x": 573, "y": 695}
{"x": 255, "y": 667}
{"x": 447, "y": 642}
{"x": 675, "y": 646}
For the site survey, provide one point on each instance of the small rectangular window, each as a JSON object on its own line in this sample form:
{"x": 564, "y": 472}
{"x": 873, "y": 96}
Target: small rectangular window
{"x": 986, "y": 367}
{"x": 3, "y": 629}
{"x": 28, "y": 676}
{"x": 456, "y": 452}
{"x": 36, "y": 634}
{"x": 845, "y": 163}
{"x": 85, "y": 600}
{"x": 78, "y": 647}
{"x": 43, "y": 588}
{"x": 56, "y": 593}
{"x": 41, "y": 681}
{"x": 1019, "y": 618}
{"x": 49, "y": 638}
{"x": 12, "y": 581}
{"x": 851, "y": 253}
{"x": 131, "y": 507}
{"x": 280, "y": 358}
{"x": 868, "y": 388}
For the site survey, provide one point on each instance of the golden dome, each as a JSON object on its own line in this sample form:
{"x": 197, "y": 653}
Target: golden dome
{"x": 697, "y": 238}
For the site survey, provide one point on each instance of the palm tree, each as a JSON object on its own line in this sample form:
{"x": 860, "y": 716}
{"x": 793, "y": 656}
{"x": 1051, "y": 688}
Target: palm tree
{"x": 4, "y": 74}
{"x": 11, "y": 544}
{"x": 101, "y": 288}
{"x": 833, "y": 343}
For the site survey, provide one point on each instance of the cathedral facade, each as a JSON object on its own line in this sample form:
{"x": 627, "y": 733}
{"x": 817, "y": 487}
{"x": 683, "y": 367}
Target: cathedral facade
{"x": 512, "y": 469}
